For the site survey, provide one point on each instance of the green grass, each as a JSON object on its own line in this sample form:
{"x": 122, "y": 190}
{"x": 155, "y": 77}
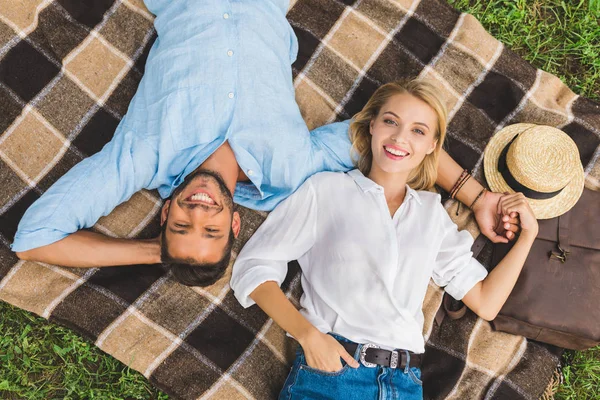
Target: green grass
{"x": 39, "y": 360}
{"x": 563, "y": 38}
{"x": 581, "y": 375}
{"x": 560, "y": 37}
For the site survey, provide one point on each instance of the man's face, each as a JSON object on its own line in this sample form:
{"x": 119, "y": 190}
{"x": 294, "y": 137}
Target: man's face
{"x": 199, "y": 218}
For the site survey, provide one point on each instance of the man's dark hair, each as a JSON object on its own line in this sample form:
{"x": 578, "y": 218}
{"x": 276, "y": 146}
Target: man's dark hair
{"x": 191, "y": 273}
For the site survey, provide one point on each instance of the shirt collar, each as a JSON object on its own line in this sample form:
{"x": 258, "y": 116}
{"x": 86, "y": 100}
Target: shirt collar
{"x": 367, "y": 185}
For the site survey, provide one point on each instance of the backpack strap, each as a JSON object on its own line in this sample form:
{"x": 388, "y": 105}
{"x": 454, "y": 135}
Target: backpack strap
{"x": 478, "y": 245}
{"x": 563, "y": 236}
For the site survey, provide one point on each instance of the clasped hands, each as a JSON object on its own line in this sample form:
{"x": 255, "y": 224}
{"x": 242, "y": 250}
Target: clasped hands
{"x": 496, "y": 225}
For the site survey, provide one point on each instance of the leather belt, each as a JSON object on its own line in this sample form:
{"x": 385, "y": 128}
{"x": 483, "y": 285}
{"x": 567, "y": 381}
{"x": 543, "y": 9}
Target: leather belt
{"x": 371, "y": 355}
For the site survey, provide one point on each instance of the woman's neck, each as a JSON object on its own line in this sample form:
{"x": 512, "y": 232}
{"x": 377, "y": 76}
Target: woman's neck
{"x": 394, "y": 185}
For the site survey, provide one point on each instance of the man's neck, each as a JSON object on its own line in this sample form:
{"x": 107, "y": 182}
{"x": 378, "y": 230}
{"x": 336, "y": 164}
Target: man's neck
{"x": 223, "y": 161}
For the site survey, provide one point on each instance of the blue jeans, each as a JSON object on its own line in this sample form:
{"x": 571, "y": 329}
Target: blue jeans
{"x": 363, "y": 383}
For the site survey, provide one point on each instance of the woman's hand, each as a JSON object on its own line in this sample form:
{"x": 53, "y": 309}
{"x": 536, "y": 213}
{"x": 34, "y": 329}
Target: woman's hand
{"x": 517, "y": 203}
{"x": 498, "y": 227}
{"x": 323, "y": 352}
{"x": 487, "y": 297}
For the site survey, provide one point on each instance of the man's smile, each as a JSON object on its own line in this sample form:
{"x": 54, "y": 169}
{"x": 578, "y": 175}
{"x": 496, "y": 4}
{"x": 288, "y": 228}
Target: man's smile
{"x": 201, "y": 196}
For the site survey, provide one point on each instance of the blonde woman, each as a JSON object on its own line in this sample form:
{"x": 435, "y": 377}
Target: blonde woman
{"x": 368, "y": 241}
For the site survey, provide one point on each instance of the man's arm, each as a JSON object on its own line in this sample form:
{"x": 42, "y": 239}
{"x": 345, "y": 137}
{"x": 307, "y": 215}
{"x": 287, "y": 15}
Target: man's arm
{"x": 331, "y": 148}
{"x": 448, "y": 173}
{"x": 497, "y": 227}
{"x": 50, "y": 229}
{"x": 89, "y": 249}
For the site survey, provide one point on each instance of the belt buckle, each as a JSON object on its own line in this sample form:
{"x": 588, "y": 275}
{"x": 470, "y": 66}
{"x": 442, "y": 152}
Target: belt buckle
{"x": 394, "y": 359}
{"x": 363, "y": 354}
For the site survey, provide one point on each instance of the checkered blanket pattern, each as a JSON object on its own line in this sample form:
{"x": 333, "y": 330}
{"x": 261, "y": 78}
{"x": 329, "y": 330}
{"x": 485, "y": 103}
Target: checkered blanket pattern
{"x": 67, "y": 72}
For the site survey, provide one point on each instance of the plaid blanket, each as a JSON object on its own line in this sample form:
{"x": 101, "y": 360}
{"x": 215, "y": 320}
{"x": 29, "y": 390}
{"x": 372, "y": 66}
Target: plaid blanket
{"x": 67, "y": 72}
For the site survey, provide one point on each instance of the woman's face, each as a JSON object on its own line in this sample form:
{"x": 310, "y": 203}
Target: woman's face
{"x": 402, "y": 134}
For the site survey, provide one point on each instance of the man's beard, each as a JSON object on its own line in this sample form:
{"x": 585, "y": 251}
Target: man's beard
{"x": 223, "y": 190}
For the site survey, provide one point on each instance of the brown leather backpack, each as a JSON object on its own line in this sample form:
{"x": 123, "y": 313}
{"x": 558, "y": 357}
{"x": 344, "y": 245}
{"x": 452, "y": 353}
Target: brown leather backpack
{"x": 556, "y": 299}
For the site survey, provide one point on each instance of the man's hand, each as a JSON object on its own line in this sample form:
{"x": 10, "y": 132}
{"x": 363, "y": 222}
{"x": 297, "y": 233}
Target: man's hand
{"x": 498, "y": 227}
{"x": 517, "y": 203}
{"x": 323, "y": 352}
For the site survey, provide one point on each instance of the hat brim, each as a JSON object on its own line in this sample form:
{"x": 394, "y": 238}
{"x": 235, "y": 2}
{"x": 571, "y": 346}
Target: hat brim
{"x": 542, "y": 209}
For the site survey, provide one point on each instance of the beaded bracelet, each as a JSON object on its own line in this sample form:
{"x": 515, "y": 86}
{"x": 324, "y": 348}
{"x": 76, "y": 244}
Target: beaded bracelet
{"x": 461, "y": 185}
{"x": 464, "y": 176}
{"x": 460, "y": 178}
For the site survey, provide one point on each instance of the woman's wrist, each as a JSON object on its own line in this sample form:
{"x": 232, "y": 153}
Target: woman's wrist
{"x": 306, "y": 333}
{"x": 528, "y": 235}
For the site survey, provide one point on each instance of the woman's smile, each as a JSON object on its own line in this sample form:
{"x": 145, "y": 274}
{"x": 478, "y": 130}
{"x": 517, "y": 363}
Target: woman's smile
{"x": 395, "y": 153}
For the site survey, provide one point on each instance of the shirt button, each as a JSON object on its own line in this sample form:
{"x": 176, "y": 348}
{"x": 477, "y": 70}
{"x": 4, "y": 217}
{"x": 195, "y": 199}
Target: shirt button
{"x": 250, "y": 172}
{"x": 226, "y": 16}
{"x": 230, "y": 95}
{"x": 230, "y": 53}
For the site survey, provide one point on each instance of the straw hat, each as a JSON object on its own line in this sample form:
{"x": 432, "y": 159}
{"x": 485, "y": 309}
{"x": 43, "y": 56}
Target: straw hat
{"x": 540, "y": 161}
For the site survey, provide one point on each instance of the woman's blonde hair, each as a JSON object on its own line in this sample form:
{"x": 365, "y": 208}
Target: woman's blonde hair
{"x": 424, "y": 176}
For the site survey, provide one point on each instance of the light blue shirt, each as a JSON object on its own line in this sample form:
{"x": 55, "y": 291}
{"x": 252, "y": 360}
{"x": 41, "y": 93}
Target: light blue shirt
{"x": 218, "y": 71}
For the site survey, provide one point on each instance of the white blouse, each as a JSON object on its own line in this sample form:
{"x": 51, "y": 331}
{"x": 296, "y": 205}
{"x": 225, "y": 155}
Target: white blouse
{"x": 364, "y": 273}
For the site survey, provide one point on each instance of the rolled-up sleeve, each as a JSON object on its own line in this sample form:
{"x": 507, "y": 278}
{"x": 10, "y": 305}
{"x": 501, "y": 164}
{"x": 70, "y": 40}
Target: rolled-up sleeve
{"x": 90, "y": 190}
{"x": 455, "y": 268}
{"x": 287, "y": 234}
{"x": 332, "y": 147}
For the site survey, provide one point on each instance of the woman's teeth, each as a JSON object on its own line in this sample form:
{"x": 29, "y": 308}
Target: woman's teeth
{"x": 203, "y": 197}
{"x": 396, "y": 152}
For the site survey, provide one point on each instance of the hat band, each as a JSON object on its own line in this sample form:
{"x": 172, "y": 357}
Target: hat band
{"x": 514, "y": 184}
